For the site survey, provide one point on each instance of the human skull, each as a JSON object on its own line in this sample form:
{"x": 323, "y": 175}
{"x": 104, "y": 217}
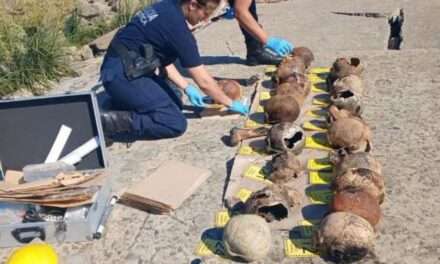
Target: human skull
{"x": 285, "y": 167}
{"x": 274, "y": 203}
{"x": 293, "y": 89}
{"x": 361, "y": 178}
{"x": 351, "y": 134}
{"x": 281, "y": 108}
{"x": 247, "y": 237}
{"x": 343, "y": 67}
{"x": 359, "y": 202}
{"x": 344, "y": 161}
{"x": 231, "y": 88}
{"x": 305, "y": 54}
{"x": 351, "y": 83}
{"x": 344, "y": 237}
{"x": 349, "y": 101}
{"x": 286, "y": 136}
{"x": 289, "y": 68}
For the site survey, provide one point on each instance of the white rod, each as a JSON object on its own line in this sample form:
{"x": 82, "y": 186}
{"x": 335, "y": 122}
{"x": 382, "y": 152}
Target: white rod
{"x": 76, "y": 156}
{"x": 58, "y": 144}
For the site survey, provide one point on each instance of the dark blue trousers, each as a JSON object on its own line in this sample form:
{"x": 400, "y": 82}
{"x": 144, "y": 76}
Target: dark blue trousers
{"x": 155, "y": 108}
{"x": 251, "y": 42}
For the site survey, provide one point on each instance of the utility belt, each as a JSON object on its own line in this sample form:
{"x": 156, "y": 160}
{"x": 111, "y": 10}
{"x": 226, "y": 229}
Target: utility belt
{"x": 135, "y": 64}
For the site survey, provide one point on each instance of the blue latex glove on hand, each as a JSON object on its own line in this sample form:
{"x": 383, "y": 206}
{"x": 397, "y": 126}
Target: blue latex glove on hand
{"x": 280, "y": 46}
{"x": 239, "y": 107}
{"x": 194, "y": 95}
{"x": 229, "y": 13}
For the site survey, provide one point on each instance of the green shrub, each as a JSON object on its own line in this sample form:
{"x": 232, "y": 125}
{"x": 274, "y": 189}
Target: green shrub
{"x": 31, "y": 44}
{"x": 32, "y": 59}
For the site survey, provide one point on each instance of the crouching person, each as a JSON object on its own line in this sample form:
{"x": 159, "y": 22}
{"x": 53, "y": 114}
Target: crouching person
{"x": 139, "y": 62}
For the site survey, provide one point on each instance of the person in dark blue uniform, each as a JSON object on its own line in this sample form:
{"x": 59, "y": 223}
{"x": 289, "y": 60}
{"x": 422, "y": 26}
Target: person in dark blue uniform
{"x": 258, "y": 42}
{"x": 147, "y": 106}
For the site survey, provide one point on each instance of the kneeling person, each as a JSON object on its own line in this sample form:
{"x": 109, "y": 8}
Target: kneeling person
{"x": 147, "y": 106}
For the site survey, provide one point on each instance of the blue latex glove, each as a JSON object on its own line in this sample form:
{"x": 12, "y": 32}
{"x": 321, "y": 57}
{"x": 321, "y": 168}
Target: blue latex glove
{"x": 280, "y": 46}
{"x": 229, "y": 13}
{"x": 194, "y": 95}
{"x": 239, "y": 107}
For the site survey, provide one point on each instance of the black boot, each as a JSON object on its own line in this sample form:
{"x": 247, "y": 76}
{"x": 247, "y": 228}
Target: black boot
{"x": 257, "y": 55}
{"x": 115, "y": 122}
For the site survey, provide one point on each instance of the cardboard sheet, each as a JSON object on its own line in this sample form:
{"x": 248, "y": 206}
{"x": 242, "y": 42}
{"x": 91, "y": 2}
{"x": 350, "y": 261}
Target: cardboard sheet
{"x": 165, "y": 189}
{"x": 13, "y": 177}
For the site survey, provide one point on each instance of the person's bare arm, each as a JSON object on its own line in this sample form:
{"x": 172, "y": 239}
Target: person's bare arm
{"x": 208, "y": 85}
{"x": 175, "y": 76}
{"x": 247, "y": 21}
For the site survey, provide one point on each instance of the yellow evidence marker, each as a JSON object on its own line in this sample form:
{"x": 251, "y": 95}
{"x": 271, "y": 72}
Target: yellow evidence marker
{"x": 252, "y": 124}
{"x": 319, "y": 164}
{"x": 319, "y": 88}
{"x": 243, "y": 194}
{"x": 270, "y": 70}
{"x": 313, "y": 142}
{"x": 315, "y": 125}
{"x": 318, "y": 70}
{"x": 320, "y": 177}
{"x": 265, "y": 95}
{"x": 321, "y": 102}
{"x": 314, "y": 78}
{"x": 260, "y": 109}
{"x": 222, "y": 218}
{"x": 318, "y": 112}
{"x": 246, "y": 150}
{"x": 209, "y": 247}
{"x": 299, "y": 248}
{"x": 257, "y": 173}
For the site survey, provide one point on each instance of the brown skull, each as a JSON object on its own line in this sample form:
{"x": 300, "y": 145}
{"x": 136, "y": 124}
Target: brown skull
{"x": 281, "y": 108}
{"x": 285, "y": 136}
{"x": 344, "y": 161}
{"x": 293, "y": 89}
{"x": 289, "y": 68}
{"x": 358, "y": 202}
{"x": 349, "y": 101}
{"x": 360, "y": 178}
{"x": 231, "y": 88}
{"x": 305, "y": 54}
{"x": 352, "y": 134}
{"x": 273, "y": 203}
{"x": 285, "y": 167}
{"x": 344, "y": 237}
{"x": 351, "y": 83}
{"x": 343, "y": 67}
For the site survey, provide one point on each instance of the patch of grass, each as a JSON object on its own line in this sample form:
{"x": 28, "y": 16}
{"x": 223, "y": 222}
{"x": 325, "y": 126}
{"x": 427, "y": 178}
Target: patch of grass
{"x": 31, "y": 44}
{"x": 38, "y": 59}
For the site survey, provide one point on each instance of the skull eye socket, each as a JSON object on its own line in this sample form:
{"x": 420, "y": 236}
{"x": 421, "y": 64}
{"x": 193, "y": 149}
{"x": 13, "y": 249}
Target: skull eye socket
{"x": 293, "y": 140}
{"x": 346, "y": 94}
{"x": 277, "y": 211}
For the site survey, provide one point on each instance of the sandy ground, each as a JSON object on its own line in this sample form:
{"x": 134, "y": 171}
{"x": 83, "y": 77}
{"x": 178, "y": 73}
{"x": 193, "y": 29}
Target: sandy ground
{"x": 403, "y": 97}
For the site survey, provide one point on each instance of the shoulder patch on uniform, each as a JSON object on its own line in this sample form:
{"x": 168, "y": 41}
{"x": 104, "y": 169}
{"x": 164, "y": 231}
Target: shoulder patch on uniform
{"x": 147, "y": 15}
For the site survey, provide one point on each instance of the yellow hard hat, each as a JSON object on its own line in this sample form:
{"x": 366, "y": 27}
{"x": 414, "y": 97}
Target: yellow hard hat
{"x": 37, "y": 253}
